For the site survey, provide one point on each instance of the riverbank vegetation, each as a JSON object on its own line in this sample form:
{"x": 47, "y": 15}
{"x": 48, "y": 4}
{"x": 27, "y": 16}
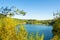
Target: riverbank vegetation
{"x": 56, "y": 27}
{"x": 38, "y": 22}
{"x": 8, "y": 26}
{"x": 8, "y": 31}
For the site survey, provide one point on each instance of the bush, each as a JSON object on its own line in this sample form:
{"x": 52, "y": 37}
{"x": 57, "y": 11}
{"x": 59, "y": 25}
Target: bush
{"x": 8, "y": 32}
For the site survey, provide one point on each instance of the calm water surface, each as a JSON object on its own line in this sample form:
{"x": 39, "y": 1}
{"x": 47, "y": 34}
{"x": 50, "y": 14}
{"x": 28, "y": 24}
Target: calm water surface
{"x": 42, "y": 29}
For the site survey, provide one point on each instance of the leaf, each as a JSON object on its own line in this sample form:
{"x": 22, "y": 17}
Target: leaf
{"x": 22, "y": 12}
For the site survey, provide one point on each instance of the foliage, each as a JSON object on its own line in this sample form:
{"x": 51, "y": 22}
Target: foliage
{"x": 56, "y": 38}
{"x": 11, "y": 11}
{"x": 8, "y": 32}
{"x": 56, "y": 15}
{"x": 56, "y": 26}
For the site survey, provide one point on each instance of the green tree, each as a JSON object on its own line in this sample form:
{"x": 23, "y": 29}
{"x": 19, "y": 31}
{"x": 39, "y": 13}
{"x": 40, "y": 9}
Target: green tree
{"x": 11, "y": 11}
{"x": 56, "y": 15}
{"x": 56, "y": 26}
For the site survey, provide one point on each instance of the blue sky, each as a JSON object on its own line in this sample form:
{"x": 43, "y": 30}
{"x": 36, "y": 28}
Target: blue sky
{"x": 36, "y": 9}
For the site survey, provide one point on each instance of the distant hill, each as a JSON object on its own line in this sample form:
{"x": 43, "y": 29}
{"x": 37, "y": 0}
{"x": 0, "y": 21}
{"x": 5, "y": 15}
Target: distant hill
{"x": 20, "y": 21}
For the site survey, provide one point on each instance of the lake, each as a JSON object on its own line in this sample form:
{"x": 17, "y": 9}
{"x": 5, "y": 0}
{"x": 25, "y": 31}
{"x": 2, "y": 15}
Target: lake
{"x": 42, "y": 29}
